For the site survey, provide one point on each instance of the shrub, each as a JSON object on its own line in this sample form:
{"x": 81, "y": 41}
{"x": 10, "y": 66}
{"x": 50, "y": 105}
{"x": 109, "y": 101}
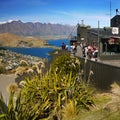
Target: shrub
{"x": 2, "y": 69}
{"x": 48, "y": 96}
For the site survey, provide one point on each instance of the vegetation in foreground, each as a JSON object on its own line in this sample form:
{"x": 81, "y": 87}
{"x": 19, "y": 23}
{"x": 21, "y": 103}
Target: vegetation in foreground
{"x": 60, "y": 94}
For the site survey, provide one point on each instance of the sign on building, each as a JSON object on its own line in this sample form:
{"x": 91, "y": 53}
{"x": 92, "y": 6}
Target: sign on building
{"x": 82, "y": 39}
{"x": 115, "y": 30}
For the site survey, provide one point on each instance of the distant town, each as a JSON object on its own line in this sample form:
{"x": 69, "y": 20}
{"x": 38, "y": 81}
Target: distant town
{"x": 11, "y": 60}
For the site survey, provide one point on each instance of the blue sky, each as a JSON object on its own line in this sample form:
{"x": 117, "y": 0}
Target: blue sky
{"x": 59, "y": 11}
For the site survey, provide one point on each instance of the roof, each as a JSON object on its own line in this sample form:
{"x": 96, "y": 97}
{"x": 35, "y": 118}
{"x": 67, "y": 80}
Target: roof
{"x": 116, "y": 16}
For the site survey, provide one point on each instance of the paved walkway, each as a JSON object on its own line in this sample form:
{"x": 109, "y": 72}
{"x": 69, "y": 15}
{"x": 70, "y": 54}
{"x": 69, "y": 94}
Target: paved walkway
{"x": 5, "y": 80}
{"x": 109, "y": 62}
{"x": 79, "y": 51}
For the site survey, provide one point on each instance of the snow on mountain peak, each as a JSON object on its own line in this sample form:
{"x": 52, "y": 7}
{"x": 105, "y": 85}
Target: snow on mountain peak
{"x": 9, "y": 21}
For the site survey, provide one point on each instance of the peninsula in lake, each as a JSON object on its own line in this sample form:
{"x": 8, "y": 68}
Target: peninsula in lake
{"x": 12, "y": 40}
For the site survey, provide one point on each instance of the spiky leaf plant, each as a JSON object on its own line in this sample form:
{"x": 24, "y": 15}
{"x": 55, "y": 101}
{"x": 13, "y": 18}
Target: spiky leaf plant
{"x": 66, "y": 64}
{"x": 45, "y": 97}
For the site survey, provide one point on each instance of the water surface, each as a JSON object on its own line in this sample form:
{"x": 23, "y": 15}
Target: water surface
{"x": 40, "y": 52}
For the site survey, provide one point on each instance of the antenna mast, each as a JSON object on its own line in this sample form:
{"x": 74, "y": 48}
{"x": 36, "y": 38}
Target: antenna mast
{"x": 110, "y": 9}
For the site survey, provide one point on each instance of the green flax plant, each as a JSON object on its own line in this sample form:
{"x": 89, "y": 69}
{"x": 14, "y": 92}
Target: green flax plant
{"x": 56, "y": 89}
{"x": 51, "y": 95}
{"x": 71, "y": 88}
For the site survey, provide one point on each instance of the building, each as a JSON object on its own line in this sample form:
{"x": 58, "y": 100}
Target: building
{"x": 115, "y": 21}
{"x": 81, "y": 33}
{"x": 107, "y": 39}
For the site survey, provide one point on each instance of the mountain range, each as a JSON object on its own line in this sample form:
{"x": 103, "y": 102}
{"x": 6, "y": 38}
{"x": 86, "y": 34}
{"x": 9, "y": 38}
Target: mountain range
{"x": 35, "y": 29}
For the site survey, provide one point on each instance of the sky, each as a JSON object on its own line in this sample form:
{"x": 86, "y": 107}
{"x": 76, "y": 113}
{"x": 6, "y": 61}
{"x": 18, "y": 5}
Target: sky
{"x": 70, "y": 12}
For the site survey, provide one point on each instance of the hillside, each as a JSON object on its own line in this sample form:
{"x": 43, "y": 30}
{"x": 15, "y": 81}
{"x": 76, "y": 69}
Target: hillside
{"x": 35, "y": 29}
{"x": 8, "y": 39}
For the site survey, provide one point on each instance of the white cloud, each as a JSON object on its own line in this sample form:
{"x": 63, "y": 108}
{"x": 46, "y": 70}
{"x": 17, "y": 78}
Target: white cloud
{"x": 65, "y": 17}
{"x": 73, "y": 17}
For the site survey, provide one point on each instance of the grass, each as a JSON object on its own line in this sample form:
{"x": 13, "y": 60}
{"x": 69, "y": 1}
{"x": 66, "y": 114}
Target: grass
{"x": 98, "y": 114}
{"x": 107, "y": 106}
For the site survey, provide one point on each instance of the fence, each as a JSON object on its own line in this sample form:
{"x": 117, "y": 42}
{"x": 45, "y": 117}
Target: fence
{"x": 103, "y": 75}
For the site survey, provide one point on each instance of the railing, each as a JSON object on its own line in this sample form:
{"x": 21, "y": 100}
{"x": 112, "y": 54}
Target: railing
{"x": 103, "y": 74}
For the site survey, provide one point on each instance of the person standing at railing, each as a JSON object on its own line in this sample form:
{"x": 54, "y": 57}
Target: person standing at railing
{"x": 68, "y": 47}
{"x": 63, "y": 46}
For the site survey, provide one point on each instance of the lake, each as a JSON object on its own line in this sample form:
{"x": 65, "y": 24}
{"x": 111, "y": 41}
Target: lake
{"x": 59, "y": 42}
{"x": 40, "y": 52}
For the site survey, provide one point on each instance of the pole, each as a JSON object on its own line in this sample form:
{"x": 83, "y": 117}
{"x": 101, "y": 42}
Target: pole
{"x": 110, "y": 12}
{"x": 98, "y": 38}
